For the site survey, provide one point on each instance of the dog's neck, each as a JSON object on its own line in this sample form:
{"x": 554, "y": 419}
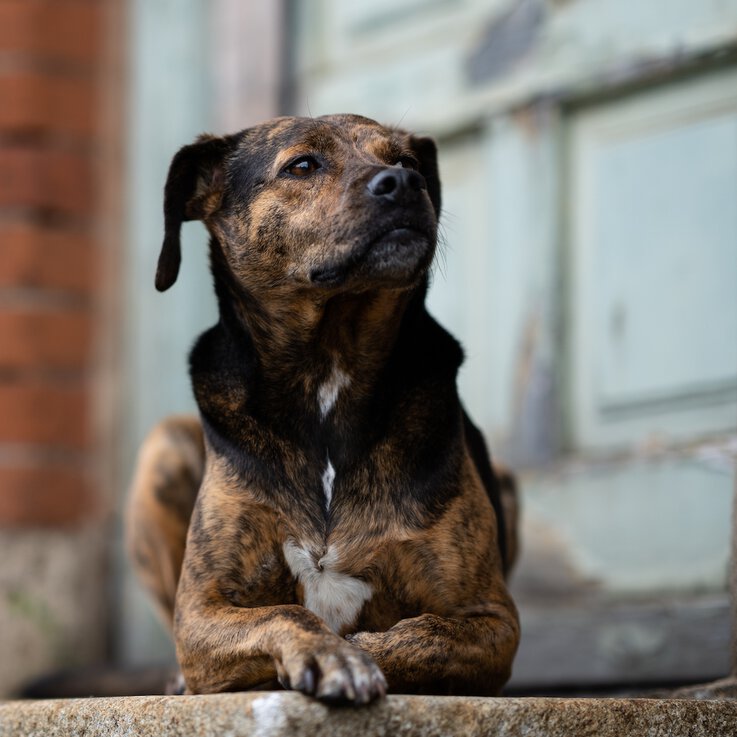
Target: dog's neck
{"x": 310, "y": 348}
{"x": 317, "y": 375}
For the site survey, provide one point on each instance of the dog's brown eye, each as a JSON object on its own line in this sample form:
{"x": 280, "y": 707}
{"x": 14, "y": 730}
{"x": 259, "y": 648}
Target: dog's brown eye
{"x": 302, "y": 167}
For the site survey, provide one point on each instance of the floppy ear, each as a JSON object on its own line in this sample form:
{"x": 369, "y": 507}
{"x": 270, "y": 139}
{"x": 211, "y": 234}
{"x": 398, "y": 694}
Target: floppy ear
{"x": 193, "y": 191}
{"x": 427, "y": 154}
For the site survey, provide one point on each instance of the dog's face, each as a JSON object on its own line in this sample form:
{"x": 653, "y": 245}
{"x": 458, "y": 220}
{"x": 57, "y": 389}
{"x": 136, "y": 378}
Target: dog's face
{"x": 333, "y": 204}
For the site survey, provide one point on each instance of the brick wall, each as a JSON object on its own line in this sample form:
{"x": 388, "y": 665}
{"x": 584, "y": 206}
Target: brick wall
{"x": 54, "y": 140}
{"x": 49, "y": 53}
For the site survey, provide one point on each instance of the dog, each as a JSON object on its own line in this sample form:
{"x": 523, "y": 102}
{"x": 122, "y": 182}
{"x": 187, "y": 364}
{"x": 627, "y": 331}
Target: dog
{"x": 332, "y": 522}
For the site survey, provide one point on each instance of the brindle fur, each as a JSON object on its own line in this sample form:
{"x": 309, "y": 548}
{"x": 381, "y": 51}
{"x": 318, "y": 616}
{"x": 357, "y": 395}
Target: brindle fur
{"x": 312, "y": 277}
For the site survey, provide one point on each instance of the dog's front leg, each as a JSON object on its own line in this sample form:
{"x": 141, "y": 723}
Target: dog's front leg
{"x": 469, "y": 654}
{"x": 221, "y": 647}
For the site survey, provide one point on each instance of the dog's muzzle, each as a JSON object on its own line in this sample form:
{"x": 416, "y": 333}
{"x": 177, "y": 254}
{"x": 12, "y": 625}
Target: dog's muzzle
{"x": 399, "y": 240}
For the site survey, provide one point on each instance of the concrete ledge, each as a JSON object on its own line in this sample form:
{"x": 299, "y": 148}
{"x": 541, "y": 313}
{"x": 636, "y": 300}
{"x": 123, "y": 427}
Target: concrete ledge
{"x": 292, "y": 715}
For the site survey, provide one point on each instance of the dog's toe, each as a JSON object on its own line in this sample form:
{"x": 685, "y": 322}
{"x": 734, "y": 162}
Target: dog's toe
{"x": 351, "y": 677}
{"x": 368, "y": 680}
{"x": 340, "y": 674}
{"x": 336, "y": 683}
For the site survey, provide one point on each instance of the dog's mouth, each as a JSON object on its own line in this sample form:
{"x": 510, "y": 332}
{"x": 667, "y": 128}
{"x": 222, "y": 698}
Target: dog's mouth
{"x": 398, "y": 254}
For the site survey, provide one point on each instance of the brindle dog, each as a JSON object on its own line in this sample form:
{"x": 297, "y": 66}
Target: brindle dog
{"x": 345, "y": 530}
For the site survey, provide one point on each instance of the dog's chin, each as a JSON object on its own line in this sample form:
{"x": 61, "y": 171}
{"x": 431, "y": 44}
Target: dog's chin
{"x": 396, "y": 258}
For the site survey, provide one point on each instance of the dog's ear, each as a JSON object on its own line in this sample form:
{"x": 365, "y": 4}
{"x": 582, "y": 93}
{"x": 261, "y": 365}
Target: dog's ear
{"x": 427, "y": 154}
{"x": 193, "y": 191}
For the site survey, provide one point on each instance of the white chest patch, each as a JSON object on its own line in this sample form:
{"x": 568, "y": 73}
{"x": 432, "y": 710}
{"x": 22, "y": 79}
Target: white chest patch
{"x": 328, "y": 479}
{"x": 335, "y": 597}
{"x": 327, "y": 393}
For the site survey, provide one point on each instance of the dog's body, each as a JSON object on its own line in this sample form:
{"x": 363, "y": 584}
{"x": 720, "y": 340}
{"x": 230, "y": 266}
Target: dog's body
{"x": 345, "y": 526}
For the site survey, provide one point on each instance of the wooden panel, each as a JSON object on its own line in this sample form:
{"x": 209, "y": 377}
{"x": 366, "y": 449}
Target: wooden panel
{"x": 361, "y": 17}
{"x": 604, "y": 643}
{"x": 169, "y": 105}
{"x": 629, "y": 527}
{"x": 667, "y": 262}
{"x": 654, "y": 232}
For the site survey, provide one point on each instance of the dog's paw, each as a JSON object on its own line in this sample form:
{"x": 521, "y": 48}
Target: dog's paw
{"x": 334, "y": 671}
{"x": 176, "y": 685}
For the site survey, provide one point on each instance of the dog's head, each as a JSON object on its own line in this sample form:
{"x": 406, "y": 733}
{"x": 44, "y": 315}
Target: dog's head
{"x": 335, "y": 203}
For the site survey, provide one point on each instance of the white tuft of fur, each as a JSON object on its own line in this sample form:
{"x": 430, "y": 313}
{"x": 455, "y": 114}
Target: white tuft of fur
{"x": 327, "y": 393}
{"x": 334, "y": 596}
{"x": 328, "y": 479}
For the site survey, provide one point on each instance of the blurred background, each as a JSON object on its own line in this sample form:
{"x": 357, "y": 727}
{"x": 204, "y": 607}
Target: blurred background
{"x": 588, "y": 153}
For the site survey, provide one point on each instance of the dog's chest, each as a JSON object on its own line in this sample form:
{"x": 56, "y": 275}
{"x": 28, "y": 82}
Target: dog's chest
{"x": 334, "y": 596}
{"x": 327, "y": 396}
{"x": 329, "y": 390}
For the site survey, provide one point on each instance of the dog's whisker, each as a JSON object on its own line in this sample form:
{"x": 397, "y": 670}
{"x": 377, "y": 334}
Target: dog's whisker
{"x": 404, "y": 115}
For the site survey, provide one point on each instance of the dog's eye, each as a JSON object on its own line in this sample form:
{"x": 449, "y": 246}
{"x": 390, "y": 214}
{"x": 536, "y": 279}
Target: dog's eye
{"x": 302, "y": 167}
{"x": 407, "y": 162}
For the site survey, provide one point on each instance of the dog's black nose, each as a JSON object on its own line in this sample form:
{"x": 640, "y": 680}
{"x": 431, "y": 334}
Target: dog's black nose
{"x": 394, "y": 182}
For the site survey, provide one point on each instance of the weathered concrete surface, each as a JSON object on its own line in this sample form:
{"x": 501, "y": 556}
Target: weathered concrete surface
{"x": 292, "y": 715}
{"x": 724, "y": 688}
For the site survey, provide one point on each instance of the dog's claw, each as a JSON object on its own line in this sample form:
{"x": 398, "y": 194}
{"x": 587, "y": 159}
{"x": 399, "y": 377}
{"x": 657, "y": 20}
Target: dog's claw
{"x": 308, "y": 681}
{"x": 175, "y": 686}
{"x": 378, "y": 684}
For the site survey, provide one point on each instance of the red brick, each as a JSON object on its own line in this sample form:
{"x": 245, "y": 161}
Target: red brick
{"x": 44, "y": 339}
{"x": 49, "y": 179}
{"x": 68, "y": 30}
{"x": 38, "y": 257}
{"x": 34, "y": 102}
{"x": 44, "y": 413}
{"x": 44, "y": 497}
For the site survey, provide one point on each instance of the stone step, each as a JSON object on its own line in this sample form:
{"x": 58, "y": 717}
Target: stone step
{"x": 288, "y": 714}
